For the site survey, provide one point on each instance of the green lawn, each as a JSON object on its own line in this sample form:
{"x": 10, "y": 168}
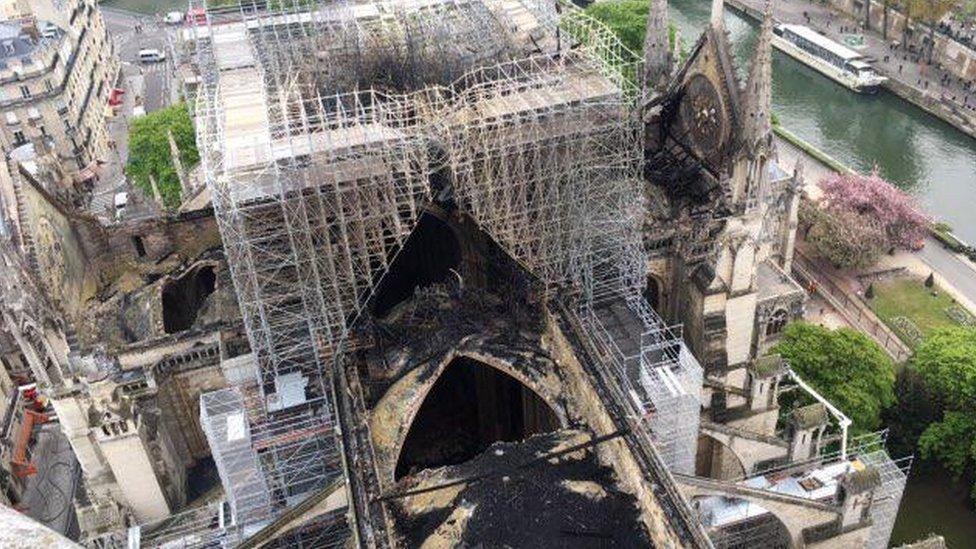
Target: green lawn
{"x": 149, "y": 7}
{"x": 911, "y": 309}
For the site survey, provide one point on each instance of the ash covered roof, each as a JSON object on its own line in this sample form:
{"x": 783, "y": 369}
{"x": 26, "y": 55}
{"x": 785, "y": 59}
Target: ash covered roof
{"x": 571, "y": 501}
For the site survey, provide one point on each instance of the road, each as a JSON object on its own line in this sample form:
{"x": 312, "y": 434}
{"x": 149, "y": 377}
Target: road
{"x": 957, "y": 271}
{"x": 133, "y": 32}
{"x": 150, "y": 86}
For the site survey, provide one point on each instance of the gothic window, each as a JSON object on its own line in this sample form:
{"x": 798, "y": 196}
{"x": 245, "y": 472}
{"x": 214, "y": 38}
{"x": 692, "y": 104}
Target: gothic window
{"x": 776, "y": 322}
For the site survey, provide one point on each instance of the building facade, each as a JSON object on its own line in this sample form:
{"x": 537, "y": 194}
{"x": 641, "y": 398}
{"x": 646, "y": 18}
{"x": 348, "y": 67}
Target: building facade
{"x": 57, "y": 69}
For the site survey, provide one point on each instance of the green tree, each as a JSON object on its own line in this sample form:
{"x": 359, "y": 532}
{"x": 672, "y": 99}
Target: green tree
{"x": 916, "y": 409}
{"x": 150, "y": 152}
{"x": 929, "y": 12}
{"x": 946, "y": 361}
{"x": 845, "y": 366}
{"x": 628, "y": 20}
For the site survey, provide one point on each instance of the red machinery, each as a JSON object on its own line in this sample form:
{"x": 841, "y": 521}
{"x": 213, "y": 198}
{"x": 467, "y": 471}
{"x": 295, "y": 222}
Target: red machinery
{"x": 20, "y": 463}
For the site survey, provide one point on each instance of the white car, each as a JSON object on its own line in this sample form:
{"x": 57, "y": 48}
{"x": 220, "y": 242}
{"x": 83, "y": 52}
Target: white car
{"x": 121, "y": 201}
{"x": 151, "y": 56}
{"x": 173, "y": 18}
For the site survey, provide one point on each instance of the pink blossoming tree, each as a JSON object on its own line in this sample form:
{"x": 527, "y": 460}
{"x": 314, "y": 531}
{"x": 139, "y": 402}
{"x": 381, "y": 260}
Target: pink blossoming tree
{"x": 880, "y": 201}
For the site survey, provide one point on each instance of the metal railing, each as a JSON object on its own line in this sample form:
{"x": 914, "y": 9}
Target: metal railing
{"x": 856, "y": 312}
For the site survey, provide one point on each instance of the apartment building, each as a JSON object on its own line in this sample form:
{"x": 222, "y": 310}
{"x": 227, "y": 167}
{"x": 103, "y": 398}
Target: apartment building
{"x": 57, "y": 69}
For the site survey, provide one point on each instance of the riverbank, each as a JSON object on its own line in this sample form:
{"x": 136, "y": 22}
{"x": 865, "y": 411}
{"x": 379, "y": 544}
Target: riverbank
{"x": 953, "y": 272}
{"x": 815, "y": 153}
{"x": 954, "y": 114}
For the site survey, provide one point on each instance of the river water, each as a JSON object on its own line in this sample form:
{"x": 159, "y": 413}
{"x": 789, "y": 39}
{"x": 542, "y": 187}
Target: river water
{"x": 919, "y": 153}
{"x": 916, "y": 151}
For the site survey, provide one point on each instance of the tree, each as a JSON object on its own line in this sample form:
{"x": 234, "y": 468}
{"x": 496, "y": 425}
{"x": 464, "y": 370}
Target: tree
{"x": 628, "y": 21}
{"x": 626, "y": 18}
{"x": 847, "y": 239}
{"x": 150, "y": 153}
{"x": 870, "y": 195}
{"x": 884, "y": 23}
{"x": 916, "y": 409}
{"x": 946, "y": 362}
{"x": 929, "y": 12}
{"x": 850, "y": 370}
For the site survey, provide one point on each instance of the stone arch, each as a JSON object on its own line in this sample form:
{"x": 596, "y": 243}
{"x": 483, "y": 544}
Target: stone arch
{"x": 654, "y": 292}
{"x": 395, "y": 412}
{"x": 764, "y": 530}
{"x": 470, "y": 406}
{"x": 795, "y": 513}
{"x": 715, "y": 459}
{"x": 184, "y": 296}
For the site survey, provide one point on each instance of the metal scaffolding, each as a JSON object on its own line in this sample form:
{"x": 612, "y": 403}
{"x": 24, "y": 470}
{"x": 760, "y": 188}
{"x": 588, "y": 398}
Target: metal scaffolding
{"x": 324, "y": 129}
{"x": 887, "y": 497}
{"x": 228, "y": 431}
{"x": 755, "y": 526}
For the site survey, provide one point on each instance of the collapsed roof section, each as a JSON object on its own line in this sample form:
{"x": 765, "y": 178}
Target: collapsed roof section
{"x": 318, "y": 180}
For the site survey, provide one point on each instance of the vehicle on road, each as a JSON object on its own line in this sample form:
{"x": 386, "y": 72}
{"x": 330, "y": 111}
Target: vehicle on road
{"x": 173, "y": 18}
{"x": 50, "y": 30}
{"x": 196, "y": 17}
{"x": 121, "y": 201}
{"x": 151, "y": 56}
{"x": 115, "y": 97}
{"x": 836, "y": 61}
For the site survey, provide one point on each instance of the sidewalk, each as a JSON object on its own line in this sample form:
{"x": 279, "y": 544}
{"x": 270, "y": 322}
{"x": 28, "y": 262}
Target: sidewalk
{"x": 905, "y": 69}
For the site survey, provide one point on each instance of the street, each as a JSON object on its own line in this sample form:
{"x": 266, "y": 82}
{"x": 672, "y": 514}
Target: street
{"x": 133, "y": 32}
{"x": 956, "y": 270}
{"x": 150, "y": 86}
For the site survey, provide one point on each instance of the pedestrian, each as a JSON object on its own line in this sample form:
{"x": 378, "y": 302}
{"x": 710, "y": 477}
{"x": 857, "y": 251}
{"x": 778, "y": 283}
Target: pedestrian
{"x": 899, "y": 69}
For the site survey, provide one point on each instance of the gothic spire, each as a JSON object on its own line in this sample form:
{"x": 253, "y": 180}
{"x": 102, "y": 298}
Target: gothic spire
{"x": 718, "y": 14}
{"x": 657, "y": 46}
{"x": 759, "y": 87}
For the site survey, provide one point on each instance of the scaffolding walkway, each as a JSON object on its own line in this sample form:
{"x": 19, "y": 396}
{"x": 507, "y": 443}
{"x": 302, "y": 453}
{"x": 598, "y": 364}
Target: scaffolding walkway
{"x": 655, "y": 370}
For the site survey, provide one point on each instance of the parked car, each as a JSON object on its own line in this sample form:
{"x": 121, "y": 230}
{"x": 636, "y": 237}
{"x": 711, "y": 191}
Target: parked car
{"x": 196, "y": 17}
{"x": 173, "y": 18}
{"x": 121, "y": 201}
{"x": 151, "y": 55}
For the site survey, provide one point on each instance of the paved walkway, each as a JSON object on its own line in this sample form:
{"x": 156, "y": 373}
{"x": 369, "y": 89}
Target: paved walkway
{"x": 896, "y": 63}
